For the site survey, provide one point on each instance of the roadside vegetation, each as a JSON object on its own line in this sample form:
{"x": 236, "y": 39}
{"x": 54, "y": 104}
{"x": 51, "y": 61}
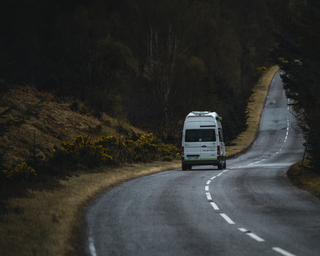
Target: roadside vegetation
{"x": 254, "y": 110}
{"x": 68, "y": 157}
{"x": 297, "y": 52}
{"x": 57, "y": 157}
{"x": 304, "y": 178}
{"x": 96, "y": 93}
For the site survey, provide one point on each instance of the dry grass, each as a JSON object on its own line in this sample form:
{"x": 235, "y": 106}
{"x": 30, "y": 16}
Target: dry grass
{"x": 305, "y": 180}
{"x": 48, "y": 222}
{"x": 255, "y": 107}
{"x": 56, "y": 122}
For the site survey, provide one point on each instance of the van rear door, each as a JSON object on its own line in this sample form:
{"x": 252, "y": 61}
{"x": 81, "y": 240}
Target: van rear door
{"x": 192, "y": 144}
{"x": 208, "y": 146}
{"x": 200, "y": 142}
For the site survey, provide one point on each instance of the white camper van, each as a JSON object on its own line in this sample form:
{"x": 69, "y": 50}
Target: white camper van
{"x": 202, "y": 140}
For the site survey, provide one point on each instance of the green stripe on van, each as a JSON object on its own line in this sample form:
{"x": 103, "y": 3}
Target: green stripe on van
{"x": 202, "y": 159}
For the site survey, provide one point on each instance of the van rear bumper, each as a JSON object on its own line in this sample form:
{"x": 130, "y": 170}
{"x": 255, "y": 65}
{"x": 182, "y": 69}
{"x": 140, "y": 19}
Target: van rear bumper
{"x": 202, "y": 162}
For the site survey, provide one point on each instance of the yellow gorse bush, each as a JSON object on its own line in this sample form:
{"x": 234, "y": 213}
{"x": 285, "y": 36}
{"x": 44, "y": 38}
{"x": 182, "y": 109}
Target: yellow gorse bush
{"x": 85, "y": 145}
{"x": 261, "y": 70}
{"x": 145, "y": 149}
{"x": 148, "y": 147}
{"x": 20, "y": 172}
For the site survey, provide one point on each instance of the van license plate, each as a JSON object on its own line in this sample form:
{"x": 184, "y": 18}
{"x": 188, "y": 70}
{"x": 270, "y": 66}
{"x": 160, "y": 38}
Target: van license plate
{"x": 193, "y": 157}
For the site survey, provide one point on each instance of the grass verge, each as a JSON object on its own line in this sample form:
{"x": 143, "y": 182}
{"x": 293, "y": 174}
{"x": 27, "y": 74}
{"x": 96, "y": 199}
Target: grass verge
{"x": 255, "y": 107}
{"x": 305, "y": 180}
{"x": 48, "y": 222}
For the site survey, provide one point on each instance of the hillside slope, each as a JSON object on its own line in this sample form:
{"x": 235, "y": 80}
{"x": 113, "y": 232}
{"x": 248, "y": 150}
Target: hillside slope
{"x": 50, "y": 123}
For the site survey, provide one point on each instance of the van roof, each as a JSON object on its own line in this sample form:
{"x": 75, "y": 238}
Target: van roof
{"x": 204, "y": 114}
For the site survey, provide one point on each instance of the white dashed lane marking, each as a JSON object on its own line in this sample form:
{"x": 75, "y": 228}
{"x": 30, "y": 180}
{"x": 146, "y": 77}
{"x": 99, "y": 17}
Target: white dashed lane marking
{"x": 227, "y": 219}
{"x": 252, "y": 235}
{"x": 214, "y": 206}
{"x": 230, "y": 221}
{"x": 283, "y": 252}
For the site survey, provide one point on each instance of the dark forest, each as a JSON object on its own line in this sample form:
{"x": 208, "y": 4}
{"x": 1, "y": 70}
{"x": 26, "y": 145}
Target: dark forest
{"x": 158, "y": 60}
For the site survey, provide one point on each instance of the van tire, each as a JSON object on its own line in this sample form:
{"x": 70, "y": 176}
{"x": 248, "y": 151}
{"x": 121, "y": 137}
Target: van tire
{"x": 225, "y": 165}
{"x": 219, "y": 166}
{"x": 184, "y": 167}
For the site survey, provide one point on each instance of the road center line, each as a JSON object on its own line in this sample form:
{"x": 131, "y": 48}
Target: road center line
{"x": 214, "y": 206}
{"x": 227, "y": 219}
{"x": 255, "y": 237}
{"x": 252, "y": 235}
{"x": 283, "y": 252}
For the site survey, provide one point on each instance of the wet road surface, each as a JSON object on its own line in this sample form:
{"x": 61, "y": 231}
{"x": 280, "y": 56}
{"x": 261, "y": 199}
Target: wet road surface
{"x": 248, "y": 209}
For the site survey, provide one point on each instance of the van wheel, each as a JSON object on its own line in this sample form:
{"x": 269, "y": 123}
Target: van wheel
{"x": 219, "y": 166}
{"x": 225, "y": 165}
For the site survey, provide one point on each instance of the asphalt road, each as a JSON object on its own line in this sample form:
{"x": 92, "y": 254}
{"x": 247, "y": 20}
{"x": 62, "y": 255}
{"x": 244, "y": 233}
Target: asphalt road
{"x": 248, "y": 209}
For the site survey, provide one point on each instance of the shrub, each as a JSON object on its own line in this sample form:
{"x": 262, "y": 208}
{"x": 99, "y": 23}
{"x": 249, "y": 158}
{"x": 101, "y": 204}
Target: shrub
{"x": 116, "y": 148}
{"x": 85, "y": 148}
{"x": 147, "y": 148}
{"x": 20, "y": 172}
{"x": 261, "y": 70}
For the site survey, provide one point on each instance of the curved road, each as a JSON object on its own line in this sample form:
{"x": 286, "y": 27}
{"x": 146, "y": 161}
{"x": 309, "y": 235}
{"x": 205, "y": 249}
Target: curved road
{"x": 248, "y": 209}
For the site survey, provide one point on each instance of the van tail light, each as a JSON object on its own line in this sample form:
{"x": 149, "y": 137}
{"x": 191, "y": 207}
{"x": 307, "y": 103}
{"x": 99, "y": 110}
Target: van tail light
{"x": 182, "y": 151}
{"x": 218, "y": 151}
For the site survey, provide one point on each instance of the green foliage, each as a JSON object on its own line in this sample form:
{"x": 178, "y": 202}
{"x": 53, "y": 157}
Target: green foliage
{"x": 21, "y": 172}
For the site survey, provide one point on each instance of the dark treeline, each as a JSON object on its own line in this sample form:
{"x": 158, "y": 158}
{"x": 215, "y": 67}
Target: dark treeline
{"x": 298, "y": 53}
{"x": 154, "y": 60}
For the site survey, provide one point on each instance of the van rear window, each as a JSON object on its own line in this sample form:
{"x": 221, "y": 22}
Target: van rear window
{"x": 195, "y": 135}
